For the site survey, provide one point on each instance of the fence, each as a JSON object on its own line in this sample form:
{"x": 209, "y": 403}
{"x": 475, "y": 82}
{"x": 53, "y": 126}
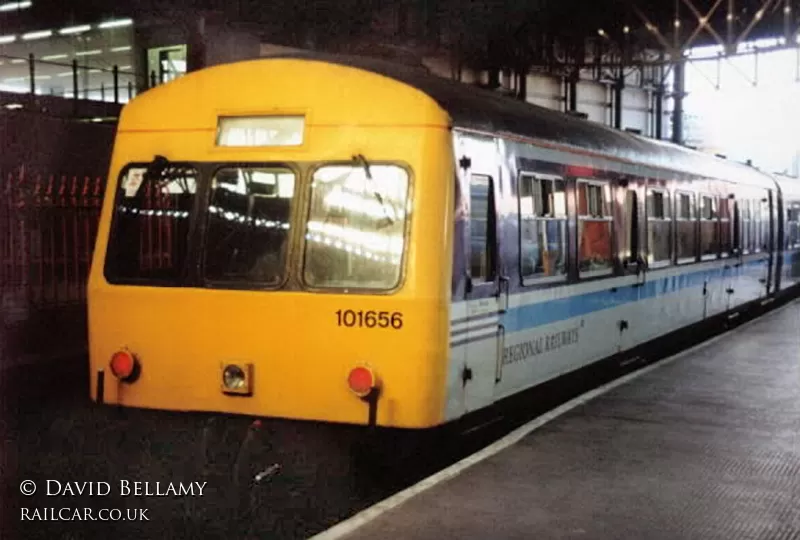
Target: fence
{"x": 72, "y": 80}
{"x": 48, "y": 225}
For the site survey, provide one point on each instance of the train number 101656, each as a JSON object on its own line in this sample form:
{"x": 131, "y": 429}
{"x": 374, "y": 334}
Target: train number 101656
{"x": 369, "y": 319}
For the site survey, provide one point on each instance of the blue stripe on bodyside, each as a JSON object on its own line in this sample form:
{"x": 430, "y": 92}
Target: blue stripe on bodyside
{"x": 552, "y": 311}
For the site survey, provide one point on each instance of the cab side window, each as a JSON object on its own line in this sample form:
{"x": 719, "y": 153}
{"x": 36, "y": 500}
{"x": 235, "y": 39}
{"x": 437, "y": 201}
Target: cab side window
{"x": 482, "y": 221}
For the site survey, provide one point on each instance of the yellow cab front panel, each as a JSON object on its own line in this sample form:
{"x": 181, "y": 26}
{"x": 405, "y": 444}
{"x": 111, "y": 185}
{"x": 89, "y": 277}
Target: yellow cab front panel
{"x": 184, "y": 279}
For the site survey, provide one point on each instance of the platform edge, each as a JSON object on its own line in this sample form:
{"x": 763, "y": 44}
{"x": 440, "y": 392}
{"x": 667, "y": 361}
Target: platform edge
{"x": 350, "y": 525}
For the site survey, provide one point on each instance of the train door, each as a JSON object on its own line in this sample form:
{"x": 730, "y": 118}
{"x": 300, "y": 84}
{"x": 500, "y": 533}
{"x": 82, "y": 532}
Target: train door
{"x": 630, "y": 239}
{"x": 484, "y": 335}
{"x": 769, "y": 239}
{"x": 764, "y": 241}
{"x": 779, "y": 241}
{"x": 730, "y": 269}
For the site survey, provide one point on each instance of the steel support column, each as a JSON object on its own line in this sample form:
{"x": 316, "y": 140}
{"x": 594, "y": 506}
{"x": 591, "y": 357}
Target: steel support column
{"x": 572, "y": 91}
{"x": 678, "y": 93}
{"x": 659, "y": 112}
{"x": 730, "y": 45}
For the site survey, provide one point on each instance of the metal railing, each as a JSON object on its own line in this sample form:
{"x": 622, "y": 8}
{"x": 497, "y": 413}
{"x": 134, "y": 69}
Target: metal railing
{"x": 82, "y": 81}
{"x": 48, "y": 225}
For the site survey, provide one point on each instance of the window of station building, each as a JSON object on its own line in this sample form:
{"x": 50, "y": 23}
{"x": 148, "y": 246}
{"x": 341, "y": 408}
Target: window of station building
{"x": 165, "y": 64}
{"x": 792, "y": 226}
{"x": 709, "y": 228}
{"x": 686, "y": 234}
{"x": 594, "y": 228}
{"x": 355, "y": 234}
{"x": 543, "y": 226}
{"x": 659, "y": 228}
{"x": 482, "y": 225}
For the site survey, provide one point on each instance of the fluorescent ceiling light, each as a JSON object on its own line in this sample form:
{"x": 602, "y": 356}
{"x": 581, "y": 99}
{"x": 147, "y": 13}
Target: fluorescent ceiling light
{"x": 65, "y": 74}
{"x": 43, "y": 77}
{"x": 12, "y": 106}
{"x": 95, "y": 71}
{"x": 7, "y": 39}
{"x": 54, "y": 57}
{"x": 88, "y": 53}
{"x": 14, "y": 88}
{"x": 116, "y": 24}
{"x": 125, "y": 67}
{"x": 37, "y": 35}
{"x": 121, "y": 49}
{"x": 74, "y": 29}
{"x": 18, "y": 61}
{"x": 13, "y": 6}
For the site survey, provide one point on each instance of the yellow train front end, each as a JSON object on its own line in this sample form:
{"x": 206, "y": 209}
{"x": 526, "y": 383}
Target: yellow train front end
{"x": 272, "y": 243}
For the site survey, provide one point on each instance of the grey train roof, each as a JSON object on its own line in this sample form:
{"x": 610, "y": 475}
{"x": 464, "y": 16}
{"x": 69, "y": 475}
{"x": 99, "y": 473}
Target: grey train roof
{"x": 476, "y": 108}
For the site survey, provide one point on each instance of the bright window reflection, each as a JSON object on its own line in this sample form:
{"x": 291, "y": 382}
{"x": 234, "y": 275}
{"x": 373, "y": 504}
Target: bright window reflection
{"x": 355, "y": 232}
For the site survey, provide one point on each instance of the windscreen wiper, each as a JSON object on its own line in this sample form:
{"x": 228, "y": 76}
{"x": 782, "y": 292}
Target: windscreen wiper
{"x": 162, "y": 171}
{"x": 364, "y": 163}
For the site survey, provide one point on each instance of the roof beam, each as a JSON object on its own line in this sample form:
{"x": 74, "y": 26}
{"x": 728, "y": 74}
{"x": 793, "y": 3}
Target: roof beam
{"x": 756, "y": 19}
{"x": 702, "y": 22}
{"x": 654, "y": 30}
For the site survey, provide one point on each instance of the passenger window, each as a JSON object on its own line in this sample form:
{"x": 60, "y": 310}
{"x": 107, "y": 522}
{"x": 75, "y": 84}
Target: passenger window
{"x": 594, "y": 228}
{"x": 765, "y": 241}
{"x": 659, "y": 228}
{"x": 482, "y": 225}
{"x": 631, "y": 247}
{"x": 756, "y": 227}
{"x": 746, "y": 226}
{"x": 709, "y": 241}
{"x": 792, "y": 232}
{"x": 725, "y": 227}
{"x": 543, "y": 226}
{"x": 685, "y": 225}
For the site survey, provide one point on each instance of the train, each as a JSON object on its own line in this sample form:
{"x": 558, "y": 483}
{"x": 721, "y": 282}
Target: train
{"x": 349, "y": 241}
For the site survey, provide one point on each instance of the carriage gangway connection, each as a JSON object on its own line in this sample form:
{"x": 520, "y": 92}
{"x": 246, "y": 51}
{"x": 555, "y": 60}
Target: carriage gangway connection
{"x": 704, "y": 444}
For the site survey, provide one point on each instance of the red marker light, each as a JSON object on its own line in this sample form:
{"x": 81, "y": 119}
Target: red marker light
{"x": 362, "y": 381}
{"x": 124, "y": 366}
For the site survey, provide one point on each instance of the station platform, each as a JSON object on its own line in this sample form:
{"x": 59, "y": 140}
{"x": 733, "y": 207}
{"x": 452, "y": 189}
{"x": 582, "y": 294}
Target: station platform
{"x": 705, "y": 444}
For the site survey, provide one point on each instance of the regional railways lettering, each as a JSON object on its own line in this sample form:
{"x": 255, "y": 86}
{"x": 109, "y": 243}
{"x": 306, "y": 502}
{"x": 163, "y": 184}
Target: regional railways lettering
{"x": 542, "y": 344}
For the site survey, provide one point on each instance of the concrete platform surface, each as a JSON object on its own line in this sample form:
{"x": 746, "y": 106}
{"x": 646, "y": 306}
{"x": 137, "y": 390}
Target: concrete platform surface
{"x": 706, "y": 446}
